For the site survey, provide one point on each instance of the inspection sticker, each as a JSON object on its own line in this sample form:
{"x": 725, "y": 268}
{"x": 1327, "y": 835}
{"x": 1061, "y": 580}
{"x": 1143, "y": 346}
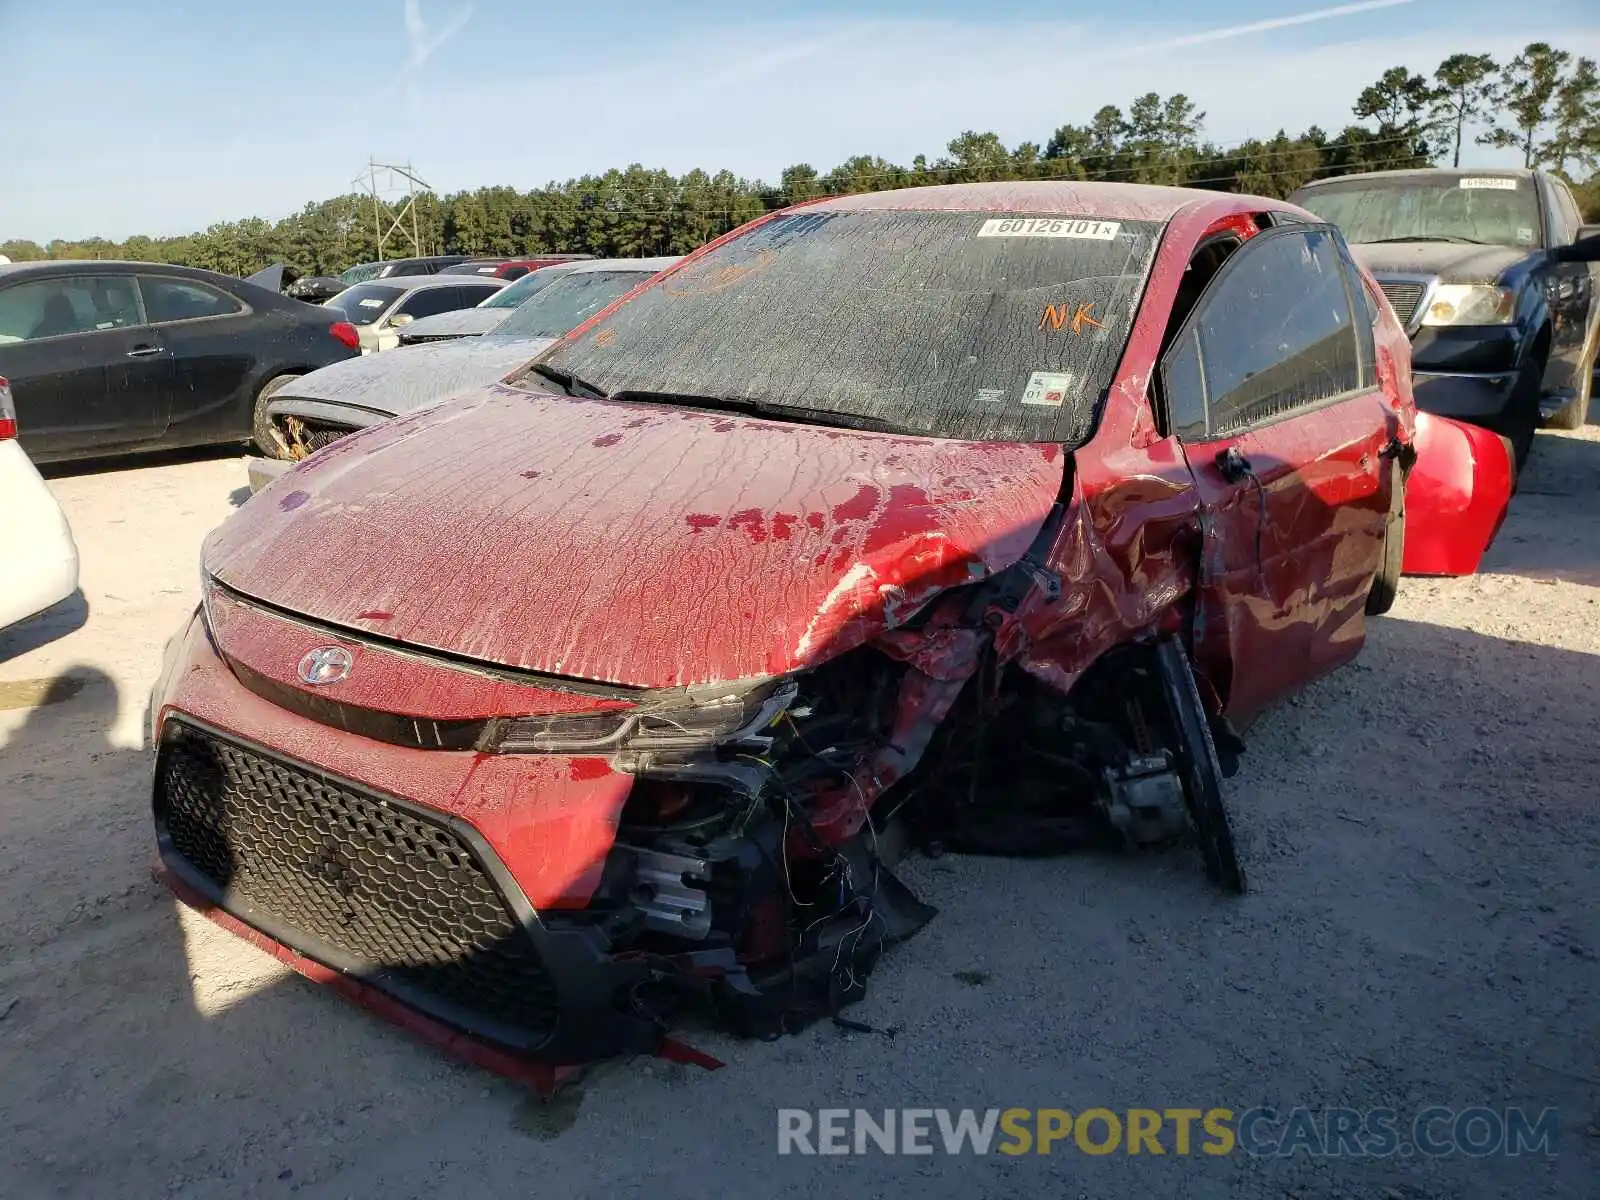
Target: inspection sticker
{"x": 1047, "y": 389}
{"x": 1489, "y": 181}
{"x": 1056, "y": 227}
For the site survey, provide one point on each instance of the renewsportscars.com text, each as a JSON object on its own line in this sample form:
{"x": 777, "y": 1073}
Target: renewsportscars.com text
{"x": 1260, "y": 1132}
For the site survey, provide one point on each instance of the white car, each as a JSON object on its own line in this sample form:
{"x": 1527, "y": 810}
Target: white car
{"x": 40, "y": 557}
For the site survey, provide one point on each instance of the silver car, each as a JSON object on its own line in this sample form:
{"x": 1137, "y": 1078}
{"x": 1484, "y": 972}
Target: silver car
{"x": 319, "y": 408}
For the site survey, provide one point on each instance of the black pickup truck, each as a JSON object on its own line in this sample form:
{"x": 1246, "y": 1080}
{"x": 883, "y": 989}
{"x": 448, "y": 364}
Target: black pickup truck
{"x": 1481, "y": 267}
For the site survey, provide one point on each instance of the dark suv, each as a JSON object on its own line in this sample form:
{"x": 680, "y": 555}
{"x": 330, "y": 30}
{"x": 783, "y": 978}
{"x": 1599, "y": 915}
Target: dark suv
{"x": 1480, "y": 268}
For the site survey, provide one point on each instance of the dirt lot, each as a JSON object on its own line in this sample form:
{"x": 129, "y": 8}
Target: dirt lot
{"x": 1421, "y": 832}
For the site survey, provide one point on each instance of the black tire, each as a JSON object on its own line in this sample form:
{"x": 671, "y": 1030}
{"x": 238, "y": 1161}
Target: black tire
{"x": 1197, "y": 760}
{"x": 1520, "y": 419}
{"x": 1386, "y": 583}
{"x": 261, "y": 431}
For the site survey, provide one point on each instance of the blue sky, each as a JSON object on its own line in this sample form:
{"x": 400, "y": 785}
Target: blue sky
{"x": 137, "y": 117}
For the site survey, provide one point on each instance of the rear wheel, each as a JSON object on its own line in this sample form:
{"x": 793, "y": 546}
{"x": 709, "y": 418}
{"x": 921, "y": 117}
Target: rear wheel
{"x": 261, "y": 431}
{"x": 1386, "y": 583}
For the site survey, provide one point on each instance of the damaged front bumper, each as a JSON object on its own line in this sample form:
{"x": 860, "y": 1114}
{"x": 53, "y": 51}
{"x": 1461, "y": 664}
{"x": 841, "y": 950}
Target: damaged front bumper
{"x": 486, "y": 895}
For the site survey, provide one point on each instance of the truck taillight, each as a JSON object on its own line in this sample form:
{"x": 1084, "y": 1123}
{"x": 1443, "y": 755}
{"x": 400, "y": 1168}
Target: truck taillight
{"x": 8, "y": 411}
{"x": 345, "y": 332}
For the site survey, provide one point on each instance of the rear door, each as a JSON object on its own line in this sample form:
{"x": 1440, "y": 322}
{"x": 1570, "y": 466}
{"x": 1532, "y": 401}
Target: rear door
{"x": 1272, "y": 390}
{"x": 88, "y": 374}
{"x": 214, "y": 339}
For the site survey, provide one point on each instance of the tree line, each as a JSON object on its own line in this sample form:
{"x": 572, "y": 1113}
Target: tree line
{"x": 1544, "y": 102}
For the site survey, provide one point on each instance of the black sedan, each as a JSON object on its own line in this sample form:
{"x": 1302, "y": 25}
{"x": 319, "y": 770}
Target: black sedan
{"x": 116, "y": 357}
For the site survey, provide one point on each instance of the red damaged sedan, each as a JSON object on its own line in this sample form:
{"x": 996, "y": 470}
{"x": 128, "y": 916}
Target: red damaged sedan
{"x": 986, "y": 515}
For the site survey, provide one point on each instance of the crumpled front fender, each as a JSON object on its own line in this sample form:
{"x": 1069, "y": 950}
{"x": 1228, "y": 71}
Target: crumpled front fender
{"x": 1456, "y": 496}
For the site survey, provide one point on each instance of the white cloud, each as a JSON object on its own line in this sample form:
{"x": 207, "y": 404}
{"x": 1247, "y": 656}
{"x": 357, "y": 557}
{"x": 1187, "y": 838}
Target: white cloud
{"x": 422, "y": 43}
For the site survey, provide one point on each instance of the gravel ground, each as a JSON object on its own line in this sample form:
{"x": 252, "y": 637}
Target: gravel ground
{"x": 1420, "y": 830}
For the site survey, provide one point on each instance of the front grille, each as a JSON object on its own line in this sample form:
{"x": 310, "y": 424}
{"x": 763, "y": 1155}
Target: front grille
{"x": 359, "y": 881}
{"x": 1403, "y": 298}
{"x": 305, "y": 437}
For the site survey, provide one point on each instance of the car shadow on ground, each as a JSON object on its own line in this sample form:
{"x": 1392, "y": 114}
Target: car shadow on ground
{"x": 1440, "y": 950}
{"x": 158, "y": 458}
{"x": 1562, "y": 468}
{"x": 55, "y": 622}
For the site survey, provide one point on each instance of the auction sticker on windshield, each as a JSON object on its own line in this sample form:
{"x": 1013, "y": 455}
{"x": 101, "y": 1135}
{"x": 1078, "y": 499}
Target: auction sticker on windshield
{"x": 1489, "y": 181}
{"x": 1047, "y": 389}
{"x": 1058, "y": 227}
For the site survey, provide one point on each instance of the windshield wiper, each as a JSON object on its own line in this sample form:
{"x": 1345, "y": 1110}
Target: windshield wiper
{"x": 568, "y": 382}
{"x": 1429, "y": 237}
{"x": 765, "y": 408}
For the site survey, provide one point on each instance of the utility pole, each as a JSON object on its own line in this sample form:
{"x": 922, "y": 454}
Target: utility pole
{"x": 387, "y": 221}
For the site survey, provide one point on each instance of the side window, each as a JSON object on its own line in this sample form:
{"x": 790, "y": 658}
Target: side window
{"x": 184, "y": 300}
{"x": 46, "y": 308}
{"x": 429, "y": 302}
{"x": 1273, "y": 334}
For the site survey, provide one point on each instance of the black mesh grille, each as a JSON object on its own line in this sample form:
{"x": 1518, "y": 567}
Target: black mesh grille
{"x": 1403, "y": 298}
{"x": 405, "y": 901}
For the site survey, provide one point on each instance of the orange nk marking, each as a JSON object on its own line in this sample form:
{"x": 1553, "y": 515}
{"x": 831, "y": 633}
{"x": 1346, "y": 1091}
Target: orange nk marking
{"x": 1057, "y": 317}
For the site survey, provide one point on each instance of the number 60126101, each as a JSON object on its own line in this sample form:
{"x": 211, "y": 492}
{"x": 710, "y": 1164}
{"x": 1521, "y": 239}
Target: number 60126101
{"x": 1060, "y": 227}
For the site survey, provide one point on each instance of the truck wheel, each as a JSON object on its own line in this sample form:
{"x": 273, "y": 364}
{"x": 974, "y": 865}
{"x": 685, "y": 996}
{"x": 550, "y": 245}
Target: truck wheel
{"x": 261, "y": 431}
{"x": 1386, "y": 583}
{"x": 1519, "y": 420}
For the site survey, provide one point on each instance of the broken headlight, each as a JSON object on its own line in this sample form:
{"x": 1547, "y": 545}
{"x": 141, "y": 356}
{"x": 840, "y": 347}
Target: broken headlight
{"x": 691, "y": 719}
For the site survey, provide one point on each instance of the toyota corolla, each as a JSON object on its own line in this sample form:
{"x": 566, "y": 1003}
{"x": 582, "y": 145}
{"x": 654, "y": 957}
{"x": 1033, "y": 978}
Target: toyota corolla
{"x": 981, "y": 517}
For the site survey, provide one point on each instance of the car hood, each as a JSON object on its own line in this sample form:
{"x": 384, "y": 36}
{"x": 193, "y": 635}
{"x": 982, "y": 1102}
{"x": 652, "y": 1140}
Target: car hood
{"x": 464, "y": 322}
{"x": 400, "y": 380}
{"x": 630, "y": 544}
{"x": 1452, "y": 262}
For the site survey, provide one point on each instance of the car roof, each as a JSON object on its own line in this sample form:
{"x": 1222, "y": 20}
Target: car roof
{"x": 118, "y": 266}
{"x": 622, "y": 264}
{"x": 1432, "y": 173}
{"x": 1115, "y": 201}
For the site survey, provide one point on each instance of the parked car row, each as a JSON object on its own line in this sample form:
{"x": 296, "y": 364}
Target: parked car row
{"x": 317, "y": 288}
{"x": 322, "y": 406}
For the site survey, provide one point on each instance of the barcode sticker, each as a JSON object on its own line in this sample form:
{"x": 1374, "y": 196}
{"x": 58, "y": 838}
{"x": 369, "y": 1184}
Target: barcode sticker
{"x": 1054, "y": 227}
{"x": 1494, "y": 182}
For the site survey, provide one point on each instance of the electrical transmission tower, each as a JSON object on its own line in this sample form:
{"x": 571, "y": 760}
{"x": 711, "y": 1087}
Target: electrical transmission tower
{"x": 388, "y": 220}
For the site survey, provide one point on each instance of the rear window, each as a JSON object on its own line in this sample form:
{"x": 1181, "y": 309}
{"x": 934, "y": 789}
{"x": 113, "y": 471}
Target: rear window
{"x": 366, "y": 302}
{"x": 569, "y": 302}
{"x": 984, "y": 326}
{"x": 361, "y": 272}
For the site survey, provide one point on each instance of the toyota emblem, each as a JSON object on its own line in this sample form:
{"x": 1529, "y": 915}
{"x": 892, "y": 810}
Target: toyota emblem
{"x": 326, "y": 664}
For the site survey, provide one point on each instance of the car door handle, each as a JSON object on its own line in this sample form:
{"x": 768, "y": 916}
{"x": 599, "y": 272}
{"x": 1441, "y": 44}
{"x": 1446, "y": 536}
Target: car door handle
{"x": 143, "y": 351}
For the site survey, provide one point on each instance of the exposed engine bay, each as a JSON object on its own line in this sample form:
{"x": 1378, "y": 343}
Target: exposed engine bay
{"x": 753, "y": 862}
